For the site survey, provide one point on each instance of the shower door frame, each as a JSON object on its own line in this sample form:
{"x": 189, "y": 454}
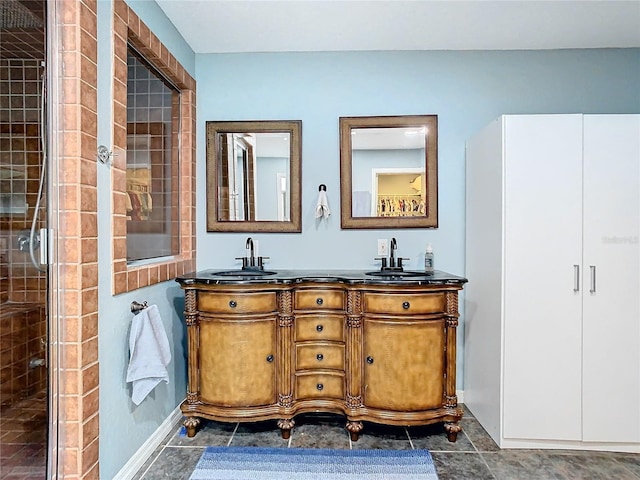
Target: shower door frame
{"x": 53, "y": 279}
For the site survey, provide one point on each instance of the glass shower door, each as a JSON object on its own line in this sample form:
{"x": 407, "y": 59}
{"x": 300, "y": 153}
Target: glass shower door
{"x": 23, "y": 280}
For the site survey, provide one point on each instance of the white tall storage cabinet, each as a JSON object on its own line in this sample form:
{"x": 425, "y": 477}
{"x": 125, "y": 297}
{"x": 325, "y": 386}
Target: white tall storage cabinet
{"x": 552, "y": 308}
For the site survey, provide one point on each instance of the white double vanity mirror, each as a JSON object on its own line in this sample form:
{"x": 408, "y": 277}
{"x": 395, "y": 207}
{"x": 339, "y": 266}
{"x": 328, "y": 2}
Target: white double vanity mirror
{"x": 253, "y": 176}
{"x": 389, "y": 171}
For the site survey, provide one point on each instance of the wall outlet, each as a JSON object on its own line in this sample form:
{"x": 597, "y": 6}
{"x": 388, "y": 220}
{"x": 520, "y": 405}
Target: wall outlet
{"x": 383, "y": 246}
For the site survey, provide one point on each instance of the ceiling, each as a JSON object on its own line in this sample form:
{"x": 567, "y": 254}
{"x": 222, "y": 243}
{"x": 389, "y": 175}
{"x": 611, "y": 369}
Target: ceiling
{"x": 213, "y": 26}
{"x": 22, "y": 29}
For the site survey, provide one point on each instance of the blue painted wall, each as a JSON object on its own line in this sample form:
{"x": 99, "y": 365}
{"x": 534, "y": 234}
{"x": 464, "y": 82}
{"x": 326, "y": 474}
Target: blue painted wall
{"x": 465, "y": 89}
{"x": 125, "y": 427}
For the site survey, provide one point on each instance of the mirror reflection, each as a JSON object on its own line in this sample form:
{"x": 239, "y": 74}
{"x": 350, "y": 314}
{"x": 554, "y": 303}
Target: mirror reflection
{"x": 253, "y": 175}
{"x": 389, "y": 171}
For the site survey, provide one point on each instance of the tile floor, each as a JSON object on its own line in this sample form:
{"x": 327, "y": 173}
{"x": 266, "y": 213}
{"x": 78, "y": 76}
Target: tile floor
{"x": 23, "y": 439}
{"x": 473, "y": 457}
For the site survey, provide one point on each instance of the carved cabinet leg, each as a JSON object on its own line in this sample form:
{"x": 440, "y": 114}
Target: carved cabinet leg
{"x": 354, "y": 429}
{"x": 191, "y": 424}
{"x": 285, "y": 425}
{"x": 452, "y": 430}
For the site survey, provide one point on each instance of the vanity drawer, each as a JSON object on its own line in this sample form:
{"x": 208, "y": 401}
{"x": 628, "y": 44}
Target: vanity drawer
{"x": 260, "y": 302}
{"x": 319, "y": 385}
{"x": 319, "y": 355}
{"x": 404, "y": 303}
{"x": 319, "y": 299}
{"x": 319, "y": 327}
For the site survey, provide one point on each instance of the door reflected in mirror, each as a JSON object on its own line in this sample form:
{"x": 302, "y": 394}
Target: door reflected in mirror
{"x": 389, "y": 171}
{"x": 253, "y": 176}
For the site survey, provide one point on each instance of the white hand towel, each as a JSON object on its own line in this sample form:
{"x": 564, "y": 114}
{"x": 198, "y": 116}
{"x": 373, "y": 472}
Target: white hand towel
{"x": 322, "y": 207}
{"x": 149, "y": 353}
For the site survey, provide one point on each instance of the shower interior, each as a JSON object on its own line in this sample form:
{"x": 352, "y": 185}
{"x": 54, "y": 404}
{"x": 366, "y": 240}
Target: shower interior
{"x": 23, "y": 283}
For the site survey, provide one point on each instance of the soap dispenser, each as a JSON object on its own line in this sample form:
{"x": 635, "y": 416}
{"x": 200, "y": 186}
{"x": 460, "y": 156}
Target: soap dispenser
{"x": 428, "y": 259}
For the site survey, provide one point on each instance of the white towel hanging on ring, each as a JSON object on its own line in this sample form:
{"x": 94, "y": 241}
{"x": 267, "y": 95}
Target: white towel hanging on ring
{"x": 150, "y": 353}
{"x": 322, "y": 207}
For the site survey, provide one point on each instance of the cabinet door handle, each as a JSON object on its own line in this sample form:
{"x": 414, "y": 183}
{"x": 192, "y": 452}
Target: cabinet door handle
{"x": 319, "y": 328}
{"x": 369, "y": 360}
{"x": 319, "y": 357}
{"x": 319, "y": 301}
{"x": 592, "y": 270}
{"x": 576, "y": 278}
{"x": 269, "y": 358}
{"x": 406, "y": 305}
{"x": 233, "y": 304}
{"x": 319, "y": 386}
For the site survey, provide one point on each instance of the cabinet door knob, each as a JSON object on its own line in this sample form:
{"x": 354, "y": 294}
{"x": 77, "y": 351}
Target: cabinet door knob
{"x": 369, "y": 360}
{"x": 319, "y": 328}
{"x": 406, "y": 305}
{"x": 269, "y": 358}
{"x": 319, "y": 300}
{"x": 319, "y": 386}
{"x": 319, "y": 357}
{"x": 233, "y": 304}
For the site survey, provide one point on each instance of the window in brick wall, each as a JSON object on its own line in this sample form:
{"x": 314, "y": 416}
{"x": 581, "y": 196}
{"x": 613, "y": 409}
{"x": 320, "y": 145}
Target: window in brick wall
{"x": 153, "y": 126}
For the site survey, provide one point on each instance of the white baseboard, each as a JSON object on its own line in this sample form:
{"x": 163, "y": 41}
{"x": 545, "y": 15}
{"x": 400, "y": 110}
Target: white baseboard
{"x": 138, "y": 459}
{"x": 460, "y": 395}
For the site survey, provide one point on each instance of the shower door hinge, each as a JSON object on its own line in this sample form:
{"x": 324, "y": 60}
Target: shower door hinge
{"x": 44, "y": 246}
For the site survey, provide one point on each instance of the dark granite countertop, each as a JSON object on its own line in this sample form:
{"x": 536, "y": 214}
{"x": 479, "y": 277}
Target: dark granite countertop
{"x": 365, "y": 277}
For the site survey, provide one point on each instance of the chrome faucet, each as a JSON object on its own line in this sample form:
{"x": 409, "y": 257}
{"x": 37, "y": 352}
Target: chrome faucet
{"x": 392, "y": 252}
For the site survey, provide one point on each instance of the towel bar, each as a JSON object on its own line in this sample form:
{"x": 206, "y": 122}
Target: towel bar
{"x": 138, "y": 307}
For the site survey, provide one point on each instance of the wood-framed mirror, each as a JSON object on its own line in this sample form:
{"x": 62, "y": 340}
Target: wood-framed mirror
{"x": 389, "y": 172}
{"x": 254, "y": 176}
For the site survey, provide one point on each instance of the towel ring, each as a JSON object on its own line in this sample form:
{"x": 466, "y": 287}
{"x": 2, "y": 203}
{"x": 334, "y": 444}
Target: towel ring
{"x": 322, "y": 187}
{"x": 136, "y": 307}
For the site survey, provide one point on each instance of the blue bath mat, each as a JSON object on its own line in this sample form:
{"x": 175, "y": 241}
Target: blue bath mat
{"x": 252, "y": 463}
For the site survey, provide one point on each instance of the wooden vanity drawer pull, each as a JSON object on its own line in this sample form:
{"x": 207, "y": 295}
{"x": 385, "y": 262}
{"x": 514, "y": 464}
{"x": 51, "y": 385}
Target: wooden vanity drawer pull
{"x": 237, "y": 302}
{"x": 325, "y": 355}
{"x": 313, "y": 299}
{"x": 404, "y": 303}
{"x": 269, "y": 358}
{"x": 369, "y": 360}
{"x": 316, "y": 385}
{"x": 320, "y": 327}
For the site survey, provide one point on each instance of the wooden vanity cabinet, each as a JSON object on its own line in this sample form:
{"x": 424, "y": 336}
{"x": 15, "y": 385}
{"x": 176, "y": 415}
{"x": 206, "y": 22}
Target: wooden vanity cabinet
{"x": 379, "y": 353}
{"x": 232, "y": 352}
{"x": 409, "y": 353}
{"x": 404, "y": 345}
{"x": 403, "y": 364}
{"x": 238, "y": 368}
